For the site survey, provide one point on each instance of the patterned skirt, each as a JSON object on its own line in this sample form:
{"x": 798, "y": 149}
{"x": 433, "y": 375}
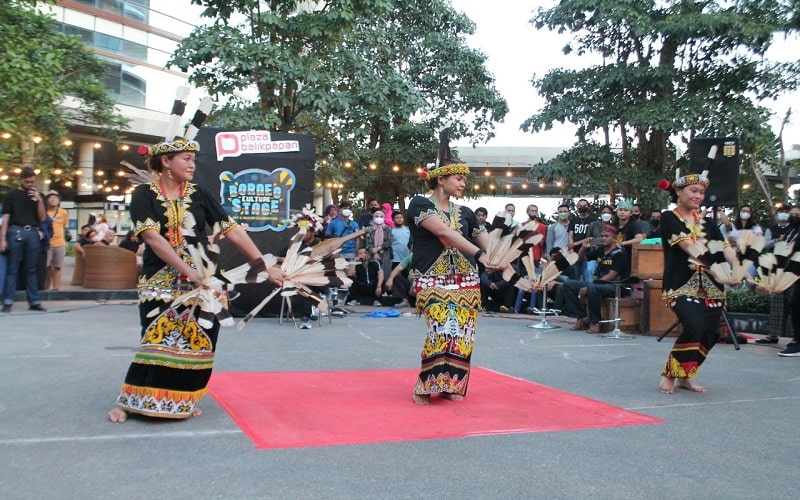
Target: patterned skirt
{"x": 171, "y": 369}
{"x": 450, "y": 306}
{"x": 700, "y": 323}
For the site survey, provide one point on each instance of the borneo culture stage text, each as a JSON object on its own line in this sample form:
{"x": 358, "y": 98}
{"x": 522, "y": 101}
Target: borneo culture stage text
{"x": 258, "y": 197}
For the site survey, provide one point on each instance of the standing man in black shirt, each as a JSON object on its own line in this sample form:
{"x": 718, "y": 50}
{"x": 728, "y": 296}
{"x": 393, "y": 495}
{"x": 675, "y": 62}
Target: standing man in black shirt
{"x": 20, "y": 238}
{"x": 579, "y": 236}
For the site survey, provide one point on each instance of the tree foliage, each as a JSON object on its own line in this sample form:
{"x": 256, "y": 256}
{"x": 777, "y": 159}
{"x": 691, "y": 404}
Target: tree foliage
{"x": 675, "y": 68}
{"x": 371, "y": 80}
{"x": 39, "y": 68}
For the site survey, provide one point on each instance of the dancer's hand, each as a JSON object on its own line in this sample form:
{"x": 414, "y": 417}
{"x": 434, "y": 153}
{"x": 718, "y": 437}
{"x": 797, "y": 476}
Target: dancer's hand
{"x": 276, "y": 275}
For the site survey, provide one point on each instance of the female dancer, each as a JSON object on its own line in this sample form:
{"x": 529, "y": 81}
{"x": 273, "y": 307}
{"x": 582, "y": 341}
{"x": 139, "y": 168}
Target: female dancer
{"x": 447, "y": 242}
{"x": 170, "y": 372}
{"x": 692, "y": 293}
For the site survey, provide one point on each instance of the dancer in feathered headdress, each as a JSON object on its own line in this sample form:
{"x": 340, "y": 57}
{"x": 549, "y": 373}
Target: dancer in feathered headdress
{"x": 448, "y": 244}
{"x": 694, "y": 293}
{"x": 181, "y": 301}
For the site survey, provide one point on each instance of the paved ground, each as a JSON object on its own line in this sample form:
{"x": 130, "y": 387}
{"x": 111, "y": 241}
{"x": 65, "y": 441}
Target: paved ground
{"x": 60, "y": 370}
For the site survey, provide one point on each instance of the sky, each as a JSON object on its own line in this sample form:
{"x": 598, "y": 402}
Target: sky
{"x": 517, "y": 51}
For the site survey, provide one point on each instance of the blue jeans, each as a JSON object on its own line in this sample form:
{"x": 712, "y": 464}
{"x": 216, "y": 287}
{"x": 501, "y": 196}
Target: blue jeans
{"x": 521, "y": 296}
{"x": 23, "y": 255}
{"x": 591, "y": 267}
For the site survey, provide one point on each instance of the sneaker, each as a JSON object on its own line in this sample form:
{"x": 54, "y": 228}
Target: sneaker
{"x": 792, "y": 350}
{"x": 354, "y": 303}
{"x": 504, "y": 309}
{"x": 530, "y": 311}
{"x": 377, "y": 303}
{"x": 35, "y": 307}
{"x": 6, "y": 308}
{"x": 767, "y": 340}
{"x": 305, "y": 324}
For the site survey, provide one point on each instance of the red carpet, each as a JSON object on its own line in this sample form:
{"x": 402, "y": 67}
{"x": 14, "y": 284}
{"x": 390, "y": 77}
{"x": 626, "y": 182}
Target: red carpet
{"x": 295, "y": 409}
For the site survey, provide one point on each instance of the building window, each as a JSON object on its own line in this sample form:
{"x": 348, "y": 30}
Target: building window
{"x": 108, "y": 43}
{"x": 123, "y": 86}
{"x": 138, "y": 10}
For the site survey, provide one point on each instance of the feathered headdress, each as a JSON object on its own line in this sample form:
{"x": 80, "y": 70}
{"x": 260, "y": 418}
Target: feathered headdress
{"x": 445, "y": 164}
{"x": 172, "y": 142}
{"x": 681, "y": 182}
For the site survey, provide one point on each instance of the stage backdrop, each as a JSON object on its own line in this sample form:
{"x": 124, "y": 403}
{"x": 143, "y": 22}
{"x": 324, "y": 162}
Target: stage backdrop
{"x": 259, "y": 177}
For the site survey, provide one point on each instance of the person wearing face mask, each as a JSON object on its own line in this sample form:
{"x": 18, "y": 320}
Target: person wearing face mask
{"x": 782, "y": 304}
{"x": 595, "y": 238}
{"x": 778, "y": 231}
{"x": 745, "y": 219}
{"x": 636, "y": 216}
{"x": 366, "y": 218}
{"x": 579, "y": 235}
{"x": 343, "y": 225}
{"x": 379, "y": 242}
{"x": 655, "y": 225}
{"x": 558, "y": 233}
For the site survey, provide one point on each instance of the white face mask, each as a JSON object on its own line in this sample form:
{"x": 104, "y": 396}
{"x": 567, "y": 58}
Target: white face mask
{"x": 744, "y": 215}
{"x": 605, "y": 217}
{"x": 347, "y": 213}
{"x": 378, "y": 220}
{"x": 783, "y": 217}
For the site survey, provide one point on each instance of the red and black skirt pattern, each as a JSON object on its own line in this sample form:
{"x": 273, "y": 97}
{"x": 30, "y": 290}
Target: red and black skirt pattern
{"x": 171, "y": 370}
{"x": 450, "y": 305}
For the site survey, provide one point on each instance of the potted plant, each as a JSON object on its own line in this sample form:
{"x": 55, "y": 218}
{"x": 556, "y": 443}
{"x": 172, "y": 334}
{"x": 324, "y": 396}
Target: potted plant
{"x": 748, "y": 311}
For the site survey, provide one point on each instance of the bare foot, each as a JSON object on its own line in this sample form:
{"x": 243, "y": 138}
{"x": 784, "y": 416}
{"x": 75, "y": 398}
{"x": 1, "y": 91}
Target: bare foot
{"x": 117, "y": 415}
{"x": 421, "y": 399}
{"x": 452, "y": 397}
{"x": 197, "y": 412}
{"x": 667, "y": 385}
{"x": 685, "y": 383}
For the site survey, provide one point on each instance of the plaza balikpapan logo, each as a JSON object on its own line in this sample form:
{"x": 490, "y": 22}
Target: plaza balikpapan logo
{"x": 258, "y": 197}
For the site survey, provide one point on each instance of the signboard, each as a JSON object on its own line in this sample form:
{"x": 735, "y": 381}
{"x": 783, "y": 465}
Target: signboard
{"x": 261, "y": 178}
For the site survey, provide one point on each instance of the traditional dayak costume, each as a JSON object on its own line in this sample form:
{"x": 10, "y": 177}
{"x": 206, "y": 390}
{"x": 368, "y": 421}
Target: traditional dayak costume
{"x": 171, "y": 369}
{"x": 447, "y": 287}
{"x": 689, "y": 288}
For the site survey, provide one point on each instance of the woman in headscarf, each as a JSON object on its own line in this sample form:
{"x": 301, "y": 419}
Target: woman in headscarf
{"x": 448, "y": 243}
{"x": 379, "y": 242}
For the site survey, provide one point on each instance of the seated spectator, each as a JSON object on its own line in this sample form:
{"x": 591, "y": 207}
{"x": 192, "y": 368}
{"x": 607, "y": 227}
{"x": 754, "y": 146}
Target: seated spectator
{"x": 109, "y": 238}
{"x": 497, "y": 294}
{"x": 611, "y": 267}
{"x": 367, "y": 277}
{"x": 132, "y": 243}
{"x": 398, "y": 284}
{"x": 87, "y": 237}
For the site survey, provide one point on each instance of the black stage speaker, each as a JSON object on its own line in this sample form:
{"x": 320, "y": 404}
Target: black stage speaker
{"x": 722, "y": 163}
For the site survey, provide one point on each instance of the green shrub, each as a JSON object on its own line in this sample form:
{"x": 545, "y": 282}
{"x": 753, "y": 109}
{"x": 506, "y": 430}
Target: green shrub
{"x": 743, "y": 300}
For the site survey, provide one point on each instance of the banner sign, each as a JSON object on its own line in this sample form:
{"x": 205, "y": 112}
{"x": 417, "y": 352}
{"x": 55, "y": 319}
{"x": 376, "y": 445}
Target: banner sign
{"x": 259, "y": 198}
{"x": 232, "y": 144}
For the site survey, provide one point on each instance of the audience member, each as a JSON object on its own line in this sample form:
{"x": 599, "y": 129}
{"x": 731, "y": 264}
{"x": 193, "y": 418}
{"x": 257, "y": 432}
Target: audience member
{"x": 399, "y": 285}
{"x": 537, "y": 251}
{"x": 330, "y": 213}
{"x": 401, "y": 239}
{"x": 481, "y": 214}
{"x": 497, "y": 294}
{"x": 779, "y": 230}
{"x": 578, "y": 232}
{"x": 366, "y": 218}
{"x": 58, "y": 243}
{"x": 629, "y": 231}
{"x": 100, "y": 226}
{"x": 636, "y": 216}
{"x": 20, "y": 237}
{"x": 367, "y": 277}
{"x": 379, "y": 241}
{"x": 558, "y": 232}
{"x": 388, "y": 213}
{"x": 341, "y": 226}
{"x": 109, "y": 238}
{"x": 86, "y": 237}
{"x": 612, "y": 267}
{"x": 511, "y": 209}
{"x": 655, "y": 224}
